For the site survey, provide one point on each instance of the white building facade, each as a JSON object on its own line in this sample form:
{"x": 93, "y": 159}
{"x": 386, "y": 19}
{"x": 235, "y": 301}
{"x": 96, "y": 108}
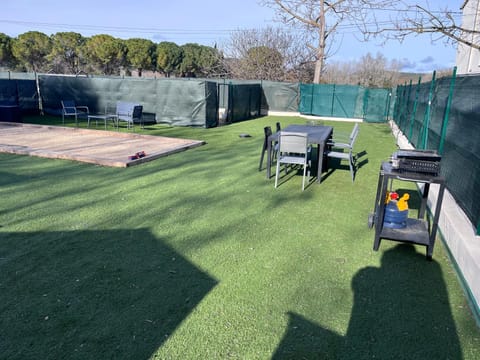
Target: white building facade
{"x": 468, "y": 58}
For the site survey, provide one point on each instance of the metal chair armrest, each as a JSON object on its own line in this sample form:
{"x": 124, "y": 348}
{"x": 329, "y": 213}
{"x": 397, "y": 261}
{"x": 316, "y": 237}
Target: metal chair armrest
{"x": 84, "y": 108}
{"x": 339, "y": 145}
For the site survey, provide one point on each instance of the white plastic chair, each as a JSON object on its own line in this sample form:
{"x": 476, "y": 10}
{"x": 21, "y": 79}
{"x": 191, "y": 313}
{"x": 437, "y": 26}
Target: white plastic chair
{"x": 346, "y": 148}
{"x": 292, "y": 149}
{"x": 129, "y": 112}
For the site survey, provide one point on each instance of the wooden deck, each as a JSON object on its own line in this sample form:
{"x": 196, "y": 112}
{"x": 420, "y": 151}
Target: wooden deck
{"x": 107, "y": 148}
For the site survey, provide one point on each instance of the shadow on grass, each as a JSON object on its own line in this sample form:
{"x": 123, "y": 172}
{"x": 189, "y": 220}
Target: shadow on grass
{"x": 93, "y": 294}
{"x": 400, "y": 311}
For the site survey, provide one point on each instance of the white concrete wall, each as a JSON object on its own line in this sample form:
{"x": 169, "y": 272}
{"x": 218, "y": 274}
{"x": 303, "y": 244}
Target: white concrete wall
{"x": 313, "y": 117}
{"x": 468, "y": 59}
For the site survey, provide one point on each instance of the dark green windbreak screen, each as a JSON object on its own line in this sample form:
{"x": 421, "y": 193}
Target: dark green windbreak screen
{"x": 196, "y": 102}
{"x": 376, "y": 104}
{"x": 281, "y": 96}
{"x": 423, "y": 115}
{"x": 19, "y": 92}
{"x": 461, "y": 158}
{"x": 186, "y": 102}
{"x": 173, "y": 101}
{"x": 244, "y": 101}
{"x": 275, "y": 96}
{"x": 224, "y": 88}
{"x": 8, "y": 92}
{"x": 345, "y": 101}
{"x": 328, "y": 100}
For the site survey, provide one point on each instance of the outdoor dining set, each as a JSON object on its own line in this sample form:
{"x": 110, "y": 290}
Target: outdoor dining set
{"x": 122, "y": 111}
{"x": 294, "y": 147}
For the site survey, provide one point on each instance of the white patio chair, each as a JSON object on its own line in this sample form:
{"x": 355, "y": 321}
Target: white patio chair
{"x": 129, "y": 113}
{"x": 292, "y": 150}
{"x": 343, "y": 150}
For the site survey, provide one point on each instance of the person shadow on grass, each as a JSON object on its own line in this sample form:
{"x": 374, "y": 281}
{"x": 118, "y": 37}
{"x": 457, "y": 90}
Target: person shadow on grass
{"x": 400, "y": 311}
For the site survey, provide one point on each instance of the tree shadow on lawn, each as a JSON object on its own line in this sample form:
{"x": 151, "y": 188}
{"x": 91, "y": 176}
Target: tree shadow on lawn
{"x": 400, "y": 311}
{"x": 93, "y": 294}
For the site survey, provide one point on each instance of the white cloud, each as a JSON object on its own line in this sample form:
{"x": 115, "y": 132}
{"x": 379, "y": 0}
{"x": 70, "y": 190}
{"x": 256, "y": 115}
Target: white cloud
{"x": 407, "y": 65}
{"x": 427, "y": 60}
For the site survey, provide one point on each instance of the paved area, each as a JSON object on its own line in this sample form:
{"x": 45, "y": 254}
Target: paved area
{"x": 107, "y": 148}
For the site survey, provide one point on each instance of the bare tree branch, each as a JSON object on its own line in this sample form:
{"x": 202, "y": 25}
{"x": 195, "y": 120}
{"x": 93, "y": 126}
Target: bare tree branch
{"x": 383, "y": 20}
{"x": 268, "y": 54}
{"x": 321, "y": 19}
{"x": 418, "y": 19}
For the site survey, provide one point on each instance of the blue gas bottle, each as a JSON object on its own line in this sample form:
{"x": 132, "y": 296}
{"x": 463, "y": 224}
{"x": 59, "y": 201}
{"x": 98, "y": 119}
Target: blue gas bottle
{"x": 396, "y": 213}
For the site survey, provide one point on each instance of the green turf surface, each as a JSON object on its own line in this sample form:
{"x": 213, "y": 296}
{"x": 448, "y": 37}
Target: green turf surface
{"x": 197, "y": 256}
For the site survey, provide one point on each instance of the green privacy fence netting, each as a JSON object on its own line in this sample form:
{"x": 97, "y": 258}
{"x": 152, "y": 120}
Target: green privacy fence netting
{"x": 197, "y": 101}
{"x": 244, "y": 102}
{"x": 377, "y": 105}
{"x": 175, "y": 102}
{"x": 19, "y": 92}
{"x": 275, "y": 96}
{"x": 345, "y": 101}
{"x": 443, "y": 115}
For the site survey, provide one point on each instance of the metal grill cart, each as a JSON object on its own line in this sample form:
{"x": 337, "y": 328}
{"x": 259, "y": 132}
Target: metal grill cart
{"x": 415, "y": 166}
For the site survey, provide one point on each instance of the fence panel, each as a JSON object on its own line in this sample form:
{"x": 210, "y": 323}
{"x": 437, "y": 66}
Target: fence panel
{"x": 460, "y": 146}
{"x": 345, "y": 101}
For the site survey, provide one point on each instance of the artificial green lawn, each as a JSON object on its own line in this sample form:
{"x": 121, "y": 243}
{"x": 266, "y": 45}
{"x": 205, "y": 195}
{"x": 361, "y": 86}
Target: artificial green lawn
{"x": 197, "y": 256}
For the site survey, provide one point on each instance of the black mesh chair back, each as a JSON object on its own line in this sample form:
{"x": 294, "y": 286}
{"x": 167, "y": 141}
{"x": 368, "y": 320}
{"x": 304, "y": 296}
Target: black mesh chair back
{"x": 267, "y": 132}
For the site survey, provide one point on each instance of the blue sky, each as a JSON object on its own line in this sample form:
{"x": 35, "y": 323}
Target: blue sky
{"x": 207, "y": 22}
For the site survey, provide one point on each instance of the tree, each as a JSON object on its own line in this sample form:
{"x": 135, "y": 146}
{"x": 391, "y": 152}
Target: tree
{"x": 141, "y": 54}
{"x": 6, "y": 56}
{"x": 106, "y": 52}
{"x": 66, "y": 52}
{"x": 337, "y": 72}
{"x": 169, "y": 58}
{"x": 265, "y": 63}
{"x": 369, "y": 71}
{"x": 199, "y": 61}
{"x": 376, "y": 71}
{"x": 189, "y": 67}
{"x": 320, "y": 19}
{"x": 261, "y": 62}
{"x": 31, "y": 50}
{"x": 269, "y": 54}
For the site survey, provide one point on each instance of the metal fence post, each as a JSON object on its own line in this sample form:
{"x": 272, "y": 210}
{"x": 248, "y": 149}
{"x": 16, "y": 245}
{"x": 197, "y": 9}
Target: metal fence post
{"x": 407, "y": 106}
{"x": 333, "y": 100}
{"x": 414, "y": 111}
{"x": 428, "y": 113}
{"x": 386, "y": 113}
{"x": 398, "y": 100}
{"x": 312, "y": 86}
{"x": 447, "y": 112}
{"x": 402, "y": 106}
{"x": 365, "y": 102}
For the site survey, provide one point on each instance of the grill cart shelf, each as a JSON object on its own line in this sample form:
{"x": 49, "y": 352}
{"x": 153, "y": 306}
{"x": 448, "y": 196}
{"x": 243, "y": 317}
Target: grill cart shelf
{"x": 418, "y": 231}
